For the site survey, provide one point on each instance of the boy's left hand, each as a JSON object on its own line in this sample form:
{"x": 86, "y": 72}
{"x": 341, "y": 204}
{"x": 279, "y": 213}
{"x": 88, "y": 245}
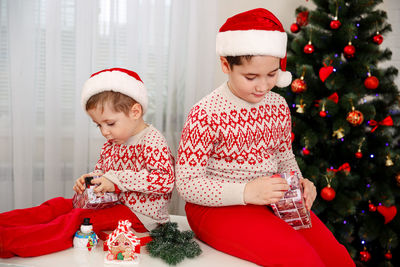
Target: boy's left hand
{"x": 103, "y": 185}
{"x": 310, "y": 192}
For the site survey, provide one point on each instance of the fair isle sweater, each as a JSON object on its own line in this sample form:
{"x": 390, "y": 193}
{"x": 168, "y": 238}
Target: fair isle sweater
{"x": 143, "y": 170}
{"x": 227, "y": 142}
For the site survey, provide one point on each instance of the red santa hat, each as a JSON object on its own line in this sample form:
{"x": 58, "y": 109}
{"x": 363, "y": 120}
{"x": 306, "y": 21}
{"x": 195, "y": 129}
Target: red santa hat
{"x": 255, "y": 32}
{"x": 119, "y": 80}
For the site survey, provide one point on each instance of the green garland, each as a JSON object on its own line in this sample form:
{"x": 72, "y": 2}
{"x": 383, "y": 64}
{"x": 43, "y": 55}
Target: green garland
{"x": 172, "y": 245}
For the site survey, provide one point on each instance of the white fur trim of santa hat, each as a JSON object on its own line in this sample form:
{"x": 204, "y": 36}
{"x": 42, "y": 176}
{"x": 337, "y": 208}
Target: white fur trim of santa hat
{"x": 255, "y": 32}
{"x": 119, "y": 80}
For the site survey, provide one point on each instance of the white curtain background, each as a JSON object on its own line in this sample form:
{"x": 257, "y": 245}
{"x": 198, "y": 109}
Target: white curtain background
{"x": 49, "y": 48}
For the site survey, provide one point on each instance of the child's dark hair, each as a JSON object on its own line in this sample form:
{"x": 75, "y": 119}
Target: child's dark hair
{"x": 118, "y": 102}
{"x": 237, "y": 60}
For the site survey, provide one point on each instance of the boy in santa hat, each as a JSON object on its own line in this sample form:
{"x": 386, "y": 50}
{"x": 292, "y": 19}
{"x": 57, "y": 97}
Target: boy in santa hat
{"x": 135, "y": 163}
{"x": 234, "y": 140}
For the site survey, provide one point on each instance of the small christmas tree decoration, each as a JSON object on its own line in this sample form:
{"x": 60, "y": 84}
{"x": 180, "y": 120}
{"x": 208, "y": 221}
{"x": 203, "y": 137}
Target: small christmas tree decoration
{"x": 335, "y": 24}
{"x": 387, "y": 212}
{"x": 359, "y": 154}
{"x": 349, "y": 51}
{"x": 305, "y": 151}
{"x": 295, "y": 28}
{"x": 389, "y": 161}
{"x": 299, "y": 85}
{"x": 378, "y": 39}
{"x": 172, "y": 245}
{"x": 309, "y": 48}
{"x": 325, "y": 71}
{"x": 365, "y": 256}
{"x": 339, "y": 133}
{"x": 371, "y": 207}
{"x": 300, "y": 107}
{"x": 302, "y": 18}
{"x": 355, "y": 117}
{"x": 322, "y": 113}
{"x": 371, "y": 82}
{"x": 388, "y": 121}
{"x": 328, "y": 193}
{"x": 397, "y": 178}
{"x": 388, "y": 255}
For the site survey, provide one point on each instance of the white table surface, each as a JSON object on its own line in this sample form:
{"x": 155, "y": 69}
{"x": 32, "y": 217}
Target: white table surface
{"x": 77, "y": 258}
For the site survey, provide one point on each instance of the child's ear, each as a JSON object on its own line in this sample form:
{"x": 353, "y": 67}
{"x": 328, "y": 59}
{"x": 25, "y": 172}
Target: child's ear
{"x": 136, "y": 111}
{"x": 225, "y": 65}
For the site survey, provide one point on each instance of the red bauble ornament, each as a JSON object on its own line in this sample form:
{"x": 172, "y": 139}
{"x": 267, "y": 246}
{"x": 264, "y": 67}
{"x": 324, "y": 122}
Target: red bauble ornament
{"x": 388, "y": 255}
{"x": 378, "y": 39}
{"x": 305, "y": 151}
{"x": 335, "y": 24}
{"x": 292, "y": 137}
{"x": 355, "y": 117}
{"x": 349, "y": 50}
{"x": 371, "y": 82}
{"x": 299, "y": 85}
{"x": 309, "y": 48}
{"x": 295, "y": 28}
{"x": 322, "y": 113}
{"x": 328, "y": 193}
{"x": 358, "y": 154}
{"x": 365, "y": 256}
{"x": 371, "y": 207}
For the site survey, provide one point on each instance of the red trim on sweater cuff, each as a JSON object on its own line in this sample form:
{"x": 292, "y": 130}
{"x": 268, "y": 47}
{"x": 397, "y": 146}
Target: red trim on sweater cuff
{"x": 116, "y": 189}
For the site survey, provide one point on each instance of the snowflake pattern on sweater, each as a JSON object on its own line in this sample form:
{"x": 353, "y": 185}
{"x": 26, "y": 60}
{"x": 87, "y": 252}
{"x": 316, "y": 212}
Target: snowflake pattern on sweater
{"x": 226, "y": 142}
{"x": 143, "y": 170}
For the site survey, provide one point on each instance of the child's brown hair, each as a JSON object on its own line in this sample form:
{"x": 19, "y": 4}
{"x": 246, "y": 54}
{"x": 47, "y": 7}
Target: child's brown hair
{"x": 237, "y": 60}
{"x": 118, "y": 101}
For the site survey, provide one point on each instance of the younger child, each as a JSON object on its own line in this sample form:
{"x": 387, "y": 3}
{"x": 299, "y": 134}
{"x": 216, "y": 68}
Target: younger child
{"x": 135, "y": 162}
{"x": 234, "y": 140}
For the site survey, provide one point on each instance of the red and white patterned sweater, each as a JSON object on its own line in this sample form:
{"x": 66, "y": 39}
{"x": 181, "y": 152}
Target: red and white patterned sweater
{"x": 143, "y": 170}
{"x": 226, "y": 142}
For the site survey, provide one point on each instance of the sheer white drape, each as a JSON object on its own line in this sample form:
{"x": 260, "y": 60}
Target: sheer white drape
{"x": 49, "y": 48}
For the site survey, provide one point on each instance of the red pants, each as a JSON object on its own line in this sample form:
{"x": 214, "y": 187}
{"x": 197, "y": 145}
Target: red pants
{"x": 255, "y": 234}
{"x": 51, "y": 226}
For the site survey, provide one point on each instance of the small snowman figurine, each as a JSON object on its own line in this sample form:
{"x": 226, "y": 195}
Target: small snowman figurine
{"x": 85, "y": 238}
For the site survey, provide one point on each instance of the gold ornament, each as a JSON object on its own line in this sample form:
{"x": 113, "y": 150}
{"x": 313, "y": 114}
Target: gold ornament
{"x": 389, "y": 161}
{"x": 339, "y": 133}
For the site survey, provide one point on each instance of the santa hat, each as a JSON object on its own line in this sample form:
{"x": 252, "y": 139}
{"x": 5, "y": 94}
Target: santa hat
{"x": 255, "y": 32}
{"x": 119, "y": 80}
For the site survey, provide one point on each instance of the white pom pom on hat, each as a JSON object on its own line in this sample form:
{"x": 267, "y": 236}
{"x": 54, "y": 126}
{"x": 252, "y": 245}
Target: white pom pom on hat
{"x": 255, "y": 32}
{"x": 119, "y": 80}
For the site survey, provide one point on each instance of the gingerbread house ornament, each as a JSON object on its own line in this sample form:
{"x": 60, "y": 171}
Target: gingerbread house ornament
{"x": 123, "y": 246}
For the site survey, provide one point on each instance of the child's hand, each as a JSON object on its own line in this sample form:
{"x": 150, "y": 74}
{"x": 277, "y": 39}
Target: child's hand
{"x": 79, "y": 186}
{"x": 265, "y": 190}
{"x": 310, "y": 192}
{"x": 103, "y": 186}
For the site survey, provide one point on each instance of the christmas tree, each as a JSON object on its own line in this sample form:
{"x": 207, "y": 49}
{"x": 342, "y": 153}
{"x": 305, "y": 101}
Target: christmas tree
{"x": 345, "y": 118}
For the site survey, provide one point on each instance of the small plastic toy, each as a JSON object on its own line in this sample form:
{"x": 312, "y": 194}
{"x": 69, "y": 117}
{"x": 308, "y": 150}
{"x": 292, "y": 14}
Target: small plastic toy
{"x": 123, "y": 246}
{"x": 291, "y": 208}
{"x": 85, "y": 238}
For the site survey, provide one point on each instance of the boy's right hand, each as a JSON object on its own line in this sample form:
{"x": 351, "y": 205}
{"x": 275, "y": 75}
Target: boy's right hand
{"x": 79, "y": 186}
{"x": 265, "y": 190}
